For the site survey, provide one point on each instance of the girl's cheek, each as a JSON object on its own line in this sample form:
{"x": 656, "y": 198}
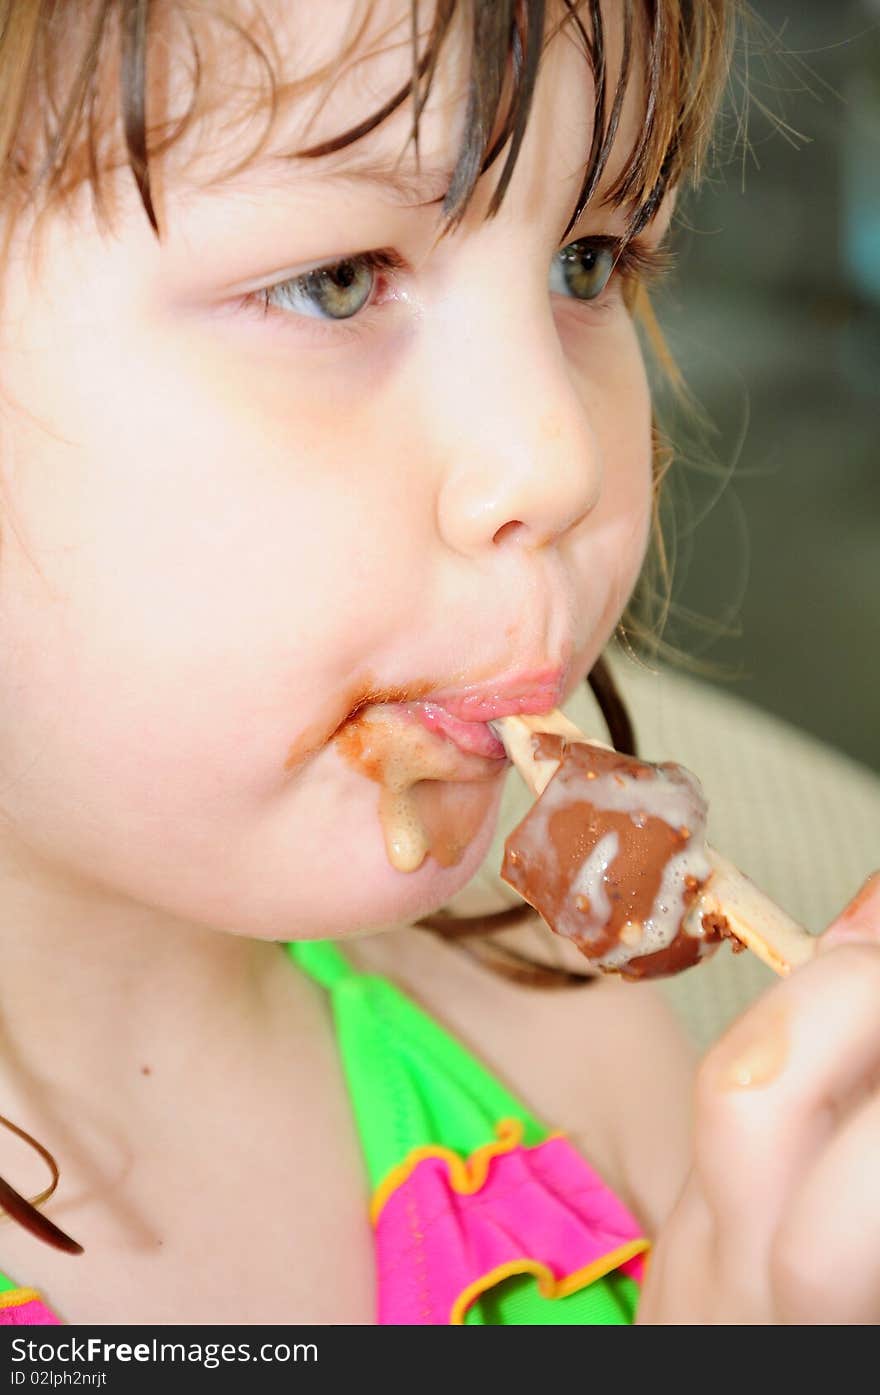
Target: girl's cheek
{"x": 616, "y": 537}
{"x": 620, "y": 403}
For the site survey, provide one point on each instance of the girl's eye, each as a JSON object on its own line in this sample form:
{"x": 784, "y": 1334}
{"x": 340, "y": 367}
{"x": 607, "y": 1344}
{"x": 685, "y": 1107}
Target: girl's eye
{"x": 581, "y": 270}
{"x": 342, "y": 289}
{"x": 329, "y": 292}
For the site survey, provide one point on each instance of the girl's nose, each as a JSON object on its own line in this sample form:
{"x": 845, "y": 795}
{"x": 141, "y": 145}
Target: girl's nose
{"x": 524, "y": 462}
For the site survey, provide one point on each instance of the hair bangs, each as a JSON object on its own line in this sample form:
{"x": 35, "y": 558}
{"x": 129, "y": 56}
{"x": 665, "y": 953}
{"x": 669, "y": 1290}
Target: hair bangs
{"x": 685, "y": 47}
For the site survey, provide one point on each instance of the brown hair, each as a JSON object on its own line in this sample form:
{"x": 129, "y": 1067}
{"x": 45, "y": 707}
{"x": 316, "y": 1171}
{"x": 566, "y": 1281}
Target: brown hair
{"x": 60, "y": 119}
{"x": 56, "y": 121}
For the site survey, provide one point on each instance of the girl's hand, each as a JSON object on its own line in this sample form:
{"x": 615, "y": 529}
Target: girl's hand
{"x": 779, "y": 1220}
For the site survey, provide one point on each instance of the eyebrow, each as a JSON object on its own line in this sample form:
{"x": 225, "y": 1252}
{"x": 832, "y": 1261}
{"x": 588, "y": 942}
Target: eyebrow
{"x": 277, "y": 174}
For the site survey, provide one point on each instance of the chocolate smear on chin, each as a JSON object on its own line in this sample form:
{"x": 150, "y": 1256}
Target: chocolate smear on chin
{"x": 425, "y": 806}
{"x": 451, "y": 815}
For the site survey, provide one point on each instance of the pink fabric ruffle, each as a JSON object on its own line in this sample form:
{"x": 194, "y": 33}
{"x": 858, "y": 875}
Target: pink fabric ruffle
{"x": 542, "y": 1204}
{"x": 25, "y": 1314}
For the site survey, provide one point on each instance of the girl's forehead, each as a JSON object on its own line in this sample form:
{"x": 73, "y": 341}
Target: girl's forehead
{"x": 333, "y": 75}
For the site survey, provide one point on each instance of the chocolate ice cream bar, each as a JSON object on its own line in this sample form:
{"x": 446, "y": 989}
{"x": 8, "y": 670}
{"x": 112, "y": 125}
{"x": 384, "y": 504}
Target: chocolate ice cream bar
{"x": 613, "y": 856}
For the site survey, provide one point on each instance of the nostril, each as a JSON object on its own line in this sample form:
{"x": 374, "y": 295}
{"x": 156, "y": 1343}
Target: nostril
{"x": 507, "y": 529}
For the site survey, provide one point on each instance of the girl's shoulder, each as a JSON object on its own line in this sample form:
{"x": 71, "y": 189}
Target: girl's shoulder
{"x": 606, "y": 1063}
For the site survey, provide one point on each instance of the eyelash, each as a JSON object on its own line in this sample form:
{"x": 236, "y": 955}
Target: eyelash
{"x": 634, "y": 264}
{"x": 634, "y": 261}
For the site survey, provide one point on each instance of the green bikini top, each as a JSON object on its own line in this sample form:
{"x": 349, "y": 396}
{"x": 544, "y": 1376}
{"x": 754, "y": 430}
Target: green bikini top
{"x": 500, "y": 1218}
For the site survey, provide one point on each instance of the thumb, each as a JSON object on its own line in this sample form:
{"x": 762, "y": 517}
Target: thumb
{"x": 859, "y": 920}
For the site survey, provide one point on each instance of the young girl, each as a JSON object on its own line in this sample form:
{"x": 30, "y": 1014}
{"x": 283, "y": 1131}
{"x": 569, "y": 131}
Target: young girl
{"x": 325, "y": 438}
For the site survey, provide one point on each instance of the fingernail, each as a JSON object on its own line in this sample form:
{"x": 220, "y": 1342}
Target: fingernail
{"x": 860, "y": 919}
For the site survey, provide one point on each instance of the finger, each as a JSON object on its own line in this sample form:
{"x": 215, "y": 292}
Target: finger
{"x": 825, "y": 1265}
{"x": 680, "y": 1282}
{"x": 859, "y": 920}
{"x": 773, "y": 1091}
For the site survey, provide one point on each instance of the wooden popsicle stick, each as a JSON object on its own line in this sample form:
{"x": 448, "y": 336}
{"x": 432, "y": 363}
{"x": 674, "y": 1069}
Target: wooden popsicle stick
{"x": 755, "y": 920}
{"x": 729, "y": 896}
{"x": 516, "y": 734}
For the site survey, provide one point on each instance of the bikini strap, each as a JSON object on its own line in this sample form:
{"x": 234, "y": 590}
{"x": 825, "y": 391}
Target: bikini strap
{"x": 322, "y": 960}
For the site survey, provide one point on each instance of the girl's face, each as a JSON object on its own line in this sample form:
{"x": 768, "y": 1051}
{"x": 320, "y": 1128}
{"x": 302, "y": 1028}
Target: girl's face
{"x": 224, "y": 529}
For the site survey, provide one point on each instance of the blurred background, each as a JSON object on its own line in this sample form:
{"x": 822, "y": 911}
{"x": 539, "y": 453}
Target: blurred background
{"x": 774, "y": 316}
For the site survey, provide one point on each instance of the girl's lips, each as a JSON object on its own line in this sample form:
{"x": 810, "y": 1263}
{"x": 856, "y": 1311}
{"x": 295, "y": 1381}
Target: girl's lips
{"x": 463, "y": 716}
{"x": 536, "y": 692}
{"x": 476, "y": 738}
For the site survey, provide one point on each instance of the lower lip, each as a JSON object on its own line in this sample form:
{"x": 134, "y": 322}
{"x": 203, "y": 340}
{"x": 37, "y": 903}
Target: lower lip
{"x": 475, "y": 738}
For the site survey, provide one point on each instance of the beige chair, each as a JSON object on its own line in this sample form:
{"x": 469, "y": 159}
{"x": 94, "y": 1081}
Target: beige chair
{"x": 800, "y": 818}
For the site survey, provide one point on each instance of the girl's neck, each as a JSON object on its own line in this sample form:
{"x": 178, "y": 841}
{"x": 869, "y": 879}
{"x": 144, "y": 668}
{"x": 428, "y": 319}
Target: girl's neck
{"x": 97, "y": 992}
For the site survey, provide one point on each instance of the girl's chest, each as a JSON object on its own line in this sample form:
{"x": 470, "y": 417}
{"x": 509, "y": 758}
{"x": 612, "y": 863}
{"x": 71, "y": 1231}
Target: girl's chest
{"x": 240, "y": 1197}
{"x": 311, "y": 1263}
{"x": 230, "y": 1249}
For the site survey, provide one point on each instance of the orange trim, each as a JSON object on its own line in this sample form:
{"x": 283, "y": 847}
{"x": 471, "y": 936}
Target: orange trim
{"x": 466, "y": 1175}
{"x": 15, "y": 1297}
{"x": 548, "y": 1284}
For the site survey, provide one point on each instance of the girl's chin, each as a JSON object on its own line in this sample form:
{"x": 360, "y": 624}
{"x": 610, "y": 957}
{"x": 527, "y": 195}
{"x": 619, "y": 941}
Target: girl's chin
{"x": 454, "y": 815}
{"x": 459, "y": 818}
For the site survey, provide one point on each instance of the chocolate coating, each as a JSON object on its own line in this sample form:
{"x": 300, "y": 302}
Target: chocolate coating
{"x": 612, "y": 856}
